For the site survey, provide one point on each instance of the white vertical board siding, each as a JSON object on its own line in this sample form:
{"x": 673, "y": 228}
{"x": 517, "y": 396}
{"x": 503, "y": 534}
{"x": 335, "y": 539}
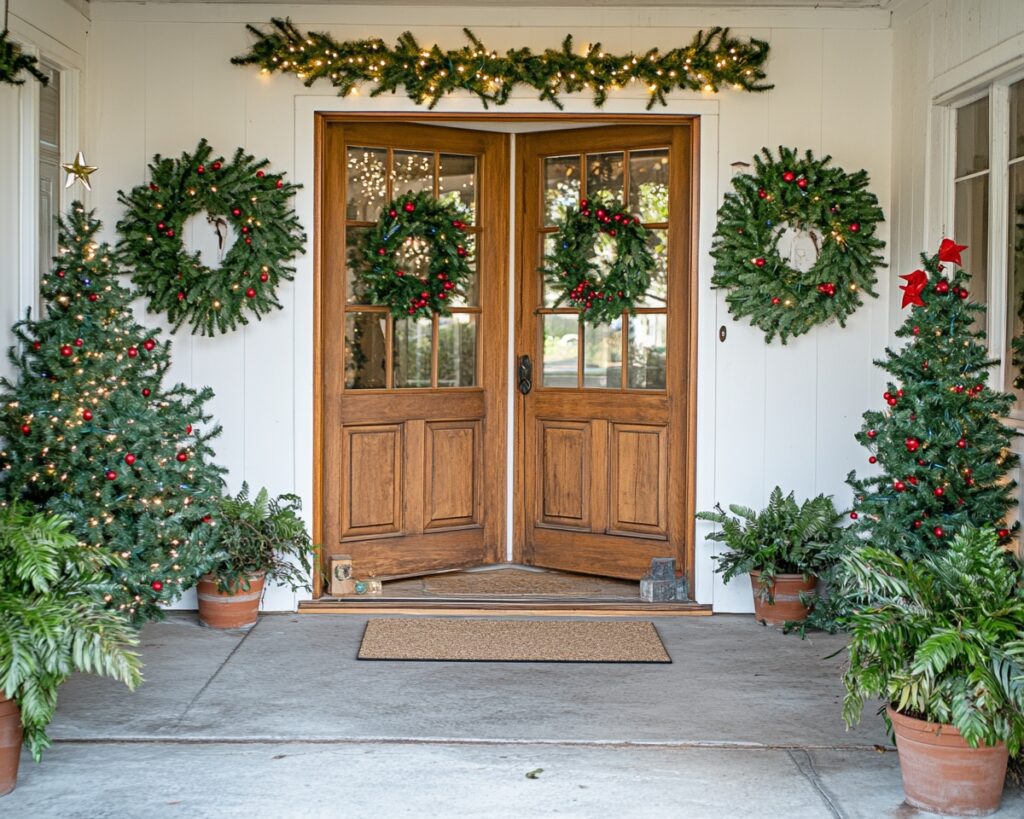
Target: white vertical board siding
{"x": 767, "y": 414}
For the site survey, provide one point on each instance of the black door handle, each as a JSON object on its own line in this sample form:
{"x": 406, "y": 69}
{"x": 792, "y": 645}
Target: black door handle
{"x": 524, "y": 375}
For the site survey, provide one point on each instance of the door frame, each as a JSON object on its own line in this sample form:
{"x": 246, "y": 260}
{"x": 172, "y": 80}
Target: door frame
{"x": 499, "y": 398}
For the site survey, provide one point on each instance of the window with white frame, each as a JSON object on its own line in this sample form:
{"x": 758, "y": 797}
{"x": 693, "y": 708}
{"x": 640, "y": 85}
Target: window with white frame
{"x": 988, "y": 216}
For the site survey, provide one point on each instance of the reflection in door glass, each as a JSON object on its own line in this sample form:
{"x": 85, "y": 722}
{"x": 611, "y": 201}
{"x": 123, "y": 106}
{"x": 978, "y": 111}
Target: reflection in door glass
{"x": 456, "y": 184}
{"x": 561, "y": 186}
{"x": 648, "y": 185}
{"x": 412, "y": 352}
{"x": 561, "y": 347}
{"x": 605, "y": 177}
{"x": 602, "y": 356}
{"x": 456, "y": 350}
{"x": 412, "y": 172}
{"x": 365, "y": 351}
{"x": 354, "y": 264}
{"x": 657, "y": 290}
{"x": 366, "y": 183}
{"x": 647, "y": 339}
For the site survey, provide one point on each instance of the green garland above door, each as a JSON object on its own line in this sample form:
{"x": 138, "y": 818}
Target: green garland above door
{"x": 711, "y": 60}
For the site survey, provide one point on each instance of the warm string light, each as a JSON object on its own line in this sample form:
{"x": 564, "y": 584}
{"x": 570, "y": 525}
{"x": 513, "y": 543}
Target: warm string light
{"x": 712, "y": 58}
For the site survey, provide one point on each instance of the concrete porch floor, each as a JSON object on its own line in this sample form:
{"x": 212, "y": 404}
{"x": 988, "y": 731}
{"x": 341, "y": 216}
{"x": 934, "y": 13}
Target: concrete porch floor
{"x": 282, "y": 721}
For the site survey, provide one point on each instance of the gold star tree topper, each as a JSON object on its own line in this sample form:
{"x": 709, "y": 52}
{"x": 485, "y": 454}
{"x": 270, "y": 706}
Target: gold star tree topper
{"x": 78, "y": 170}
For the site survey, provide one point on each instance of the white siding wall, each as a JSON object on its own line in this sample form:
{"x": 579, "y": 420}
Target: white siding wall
{"x": 158, "y": 79}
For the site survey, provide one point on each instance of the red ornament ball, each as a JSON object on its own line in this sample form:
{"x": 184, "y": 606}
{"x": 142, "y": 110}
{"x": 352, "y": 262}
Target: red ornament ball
{"x": 207, "y": 519}
{"x": 801, "y": 183}
{"x": 759, "y": 261}
{"x": 157, "y": 585}
{"x": 66, "y": 350}
{"x": 776, "y": 300}
{"x": 79, "y": 342}
{"x": 260, "y": 174}
{"x": 854, "y": 516}
{"x": 461, "y": 251}
{"x": 133, "y": 352}
{"x": 872, "y": 460}
{"x": 938, "y": 491}
{"x": 962, "y": 443}
{"x": 392, "y": 213}
{"x": 942, "y": 286}
{"x": 854, "y": 227}
{"x": 899, "y": 486}
{"x": 789, "y": 176}
{"x": 236, "y": 211}
{"x": 111, "y": 475}
{"x": 1003, "y": 533}
{"x": 264, "y": 277}
{"x": 912, "y": 444}
{"x": 200, "y": 169}
{"x": 938, "y": 531}
{"x": 60, "y": 274}
{"x": 86, "y": 415}
{"x": 279, "y": 184}
{"x": 149, "y": 344}
{"x": 170, "y": 233}
{"x": 129, "y": 459}
{"x": 145, "y": 392}
{"x": 409, "y": 207}
{"x": 250, "y": 293}
{"x": 188, "y": 429}
{"x": 962, "y": 293}
{"x": 872, "y": 433}
{"x": 26, "y": 429}
{"x": 216, "y": 166}
{"x": 918, "y": 524}
{"x": 36, "y": 345}
{"x": 763, "y": 194}
{"x": 93, "y": 297}
{"x": 181, "y": 295}
{"x": 182, "y": 456}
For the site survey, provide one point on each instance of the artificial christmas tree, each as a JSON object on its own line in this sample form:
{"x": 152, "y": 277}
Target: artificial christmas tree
{"x": 941, "y": 446}
{"x": 89, "y": 430}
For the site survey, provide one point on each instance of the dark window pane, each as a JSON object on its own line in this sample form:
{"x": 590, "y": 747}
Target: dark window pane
{"x": 972, "y": 138}
{"x": 365, "y": 351}
{"x": 456, "y": 350}
{"x": 413, "y": 339}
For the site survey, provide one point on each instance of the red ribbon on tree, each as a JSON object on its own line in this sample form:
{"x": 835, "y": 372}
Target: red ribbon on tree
{"x": 916, "y": 283}
{"x": 949, "y": 251}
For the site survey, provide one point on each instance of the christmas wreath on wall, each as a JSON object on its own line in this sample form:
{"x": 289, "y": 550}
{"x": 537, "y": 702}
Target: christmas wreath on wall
{"x": 239, "y": 195}
{"x": 795, "y": 244}
{"x": 573, "y": 273}
{"x": 416, "y": 225}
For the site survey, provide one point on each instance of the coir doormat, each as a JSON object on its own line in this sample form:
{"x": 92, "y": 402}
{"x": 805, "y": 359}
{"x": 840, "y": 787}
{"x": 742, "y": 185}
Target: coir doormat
{"x": 456, "y": 639}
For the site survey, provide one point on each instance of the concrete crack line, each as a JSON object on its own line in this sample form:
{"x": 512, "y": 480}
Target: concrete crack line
{"x": 213, "y": 676}
{"x": 564, "y": 743}
{"x": 803, "y": 762}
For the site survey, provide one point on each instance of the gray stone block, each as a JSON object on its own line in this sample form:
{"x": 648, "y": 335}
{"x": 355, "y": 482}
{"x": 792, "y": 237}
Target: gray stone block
{"x": 663, "y": 568}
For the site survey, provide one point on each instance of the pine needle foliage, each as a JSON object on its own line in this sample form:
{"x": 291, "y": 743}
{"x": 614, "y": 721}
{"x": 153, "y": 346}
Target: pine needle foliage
{"x": 13, "y": 61}
{"x": 53, "y": 620}
{"x": 786, "y": 537}
{"x": 942, "y": 451}
{"x": 262, "y": 534}
{"x": 90, "y": 430}
{"x": 941, "y": 637}
{"x": 711, "y": 59}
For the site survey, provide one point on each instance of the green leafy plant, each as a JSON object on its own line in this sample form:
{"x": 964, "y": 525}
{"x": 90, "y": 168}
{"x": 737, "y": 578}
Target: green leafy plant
{"x": 941, "y": 638}
{"x": 260, "y": 535}
{"x": 786, "y": 537}
{"x": 53, "y": 619}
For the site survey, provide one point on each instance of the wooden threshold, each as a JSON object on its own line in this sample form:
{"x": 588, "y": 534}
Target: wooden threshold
{"x": 535, "y": 608}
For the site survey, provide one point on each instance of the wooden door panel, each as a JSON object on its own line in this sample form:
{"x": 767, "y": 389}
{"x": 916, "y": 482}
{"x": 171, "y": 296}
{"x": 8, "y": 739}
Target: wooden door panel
{"x": 452, "y": 474}
{"x": 411, "y": 414}
{"x": 372, "y": 492}
{"x": 637, "y": 469}
{"x": 563, "y": 451}
{"x": 604, "y": 482}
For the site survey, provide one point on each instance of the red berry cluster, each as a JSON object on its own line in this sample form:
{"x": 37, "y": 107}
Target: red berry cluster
{"x": 827, "y": 289}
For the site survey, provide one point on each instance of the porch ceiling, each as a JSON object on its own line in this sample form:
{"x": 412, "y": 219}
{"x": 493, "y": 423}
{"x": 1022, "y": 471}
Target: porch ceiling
{"x": 850, "y": 4}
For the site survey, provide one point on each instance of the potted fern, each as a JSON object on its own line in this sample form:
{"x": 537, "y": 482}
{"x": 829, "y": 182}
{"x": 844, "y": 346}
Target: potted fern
{"x": 53, "y": 621}
{"x": 941, "y": 641}
{"x": 255, "y": 540}
{"x": 783, "y": 548}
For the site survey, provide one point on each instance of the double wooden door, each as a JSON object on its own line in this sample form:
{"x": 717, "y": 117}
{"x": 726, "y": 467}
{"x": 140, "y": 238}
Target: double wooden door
{"x": 412, "y": 414}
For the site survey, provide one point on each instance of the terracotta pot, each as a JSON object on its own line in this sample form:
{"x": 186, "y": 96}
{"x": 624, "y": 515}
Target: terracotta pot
{"x": 942, "y": 773}
{"x": 219, "y": 610}
{"x": 10, "y": 744}
{"x": 785, "y": 592}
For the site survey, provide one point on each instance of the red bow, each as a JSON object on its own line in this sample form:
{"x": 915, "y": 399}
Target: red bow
{"x": 949, "y": 251}
{"x": 916, "y": 283}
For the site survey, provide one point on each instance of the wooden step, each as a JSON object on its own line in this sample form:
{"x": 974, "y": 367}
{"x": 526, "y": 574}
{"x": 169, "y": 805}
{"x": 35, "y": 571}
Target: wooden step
{"x": 486, "y": 606}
